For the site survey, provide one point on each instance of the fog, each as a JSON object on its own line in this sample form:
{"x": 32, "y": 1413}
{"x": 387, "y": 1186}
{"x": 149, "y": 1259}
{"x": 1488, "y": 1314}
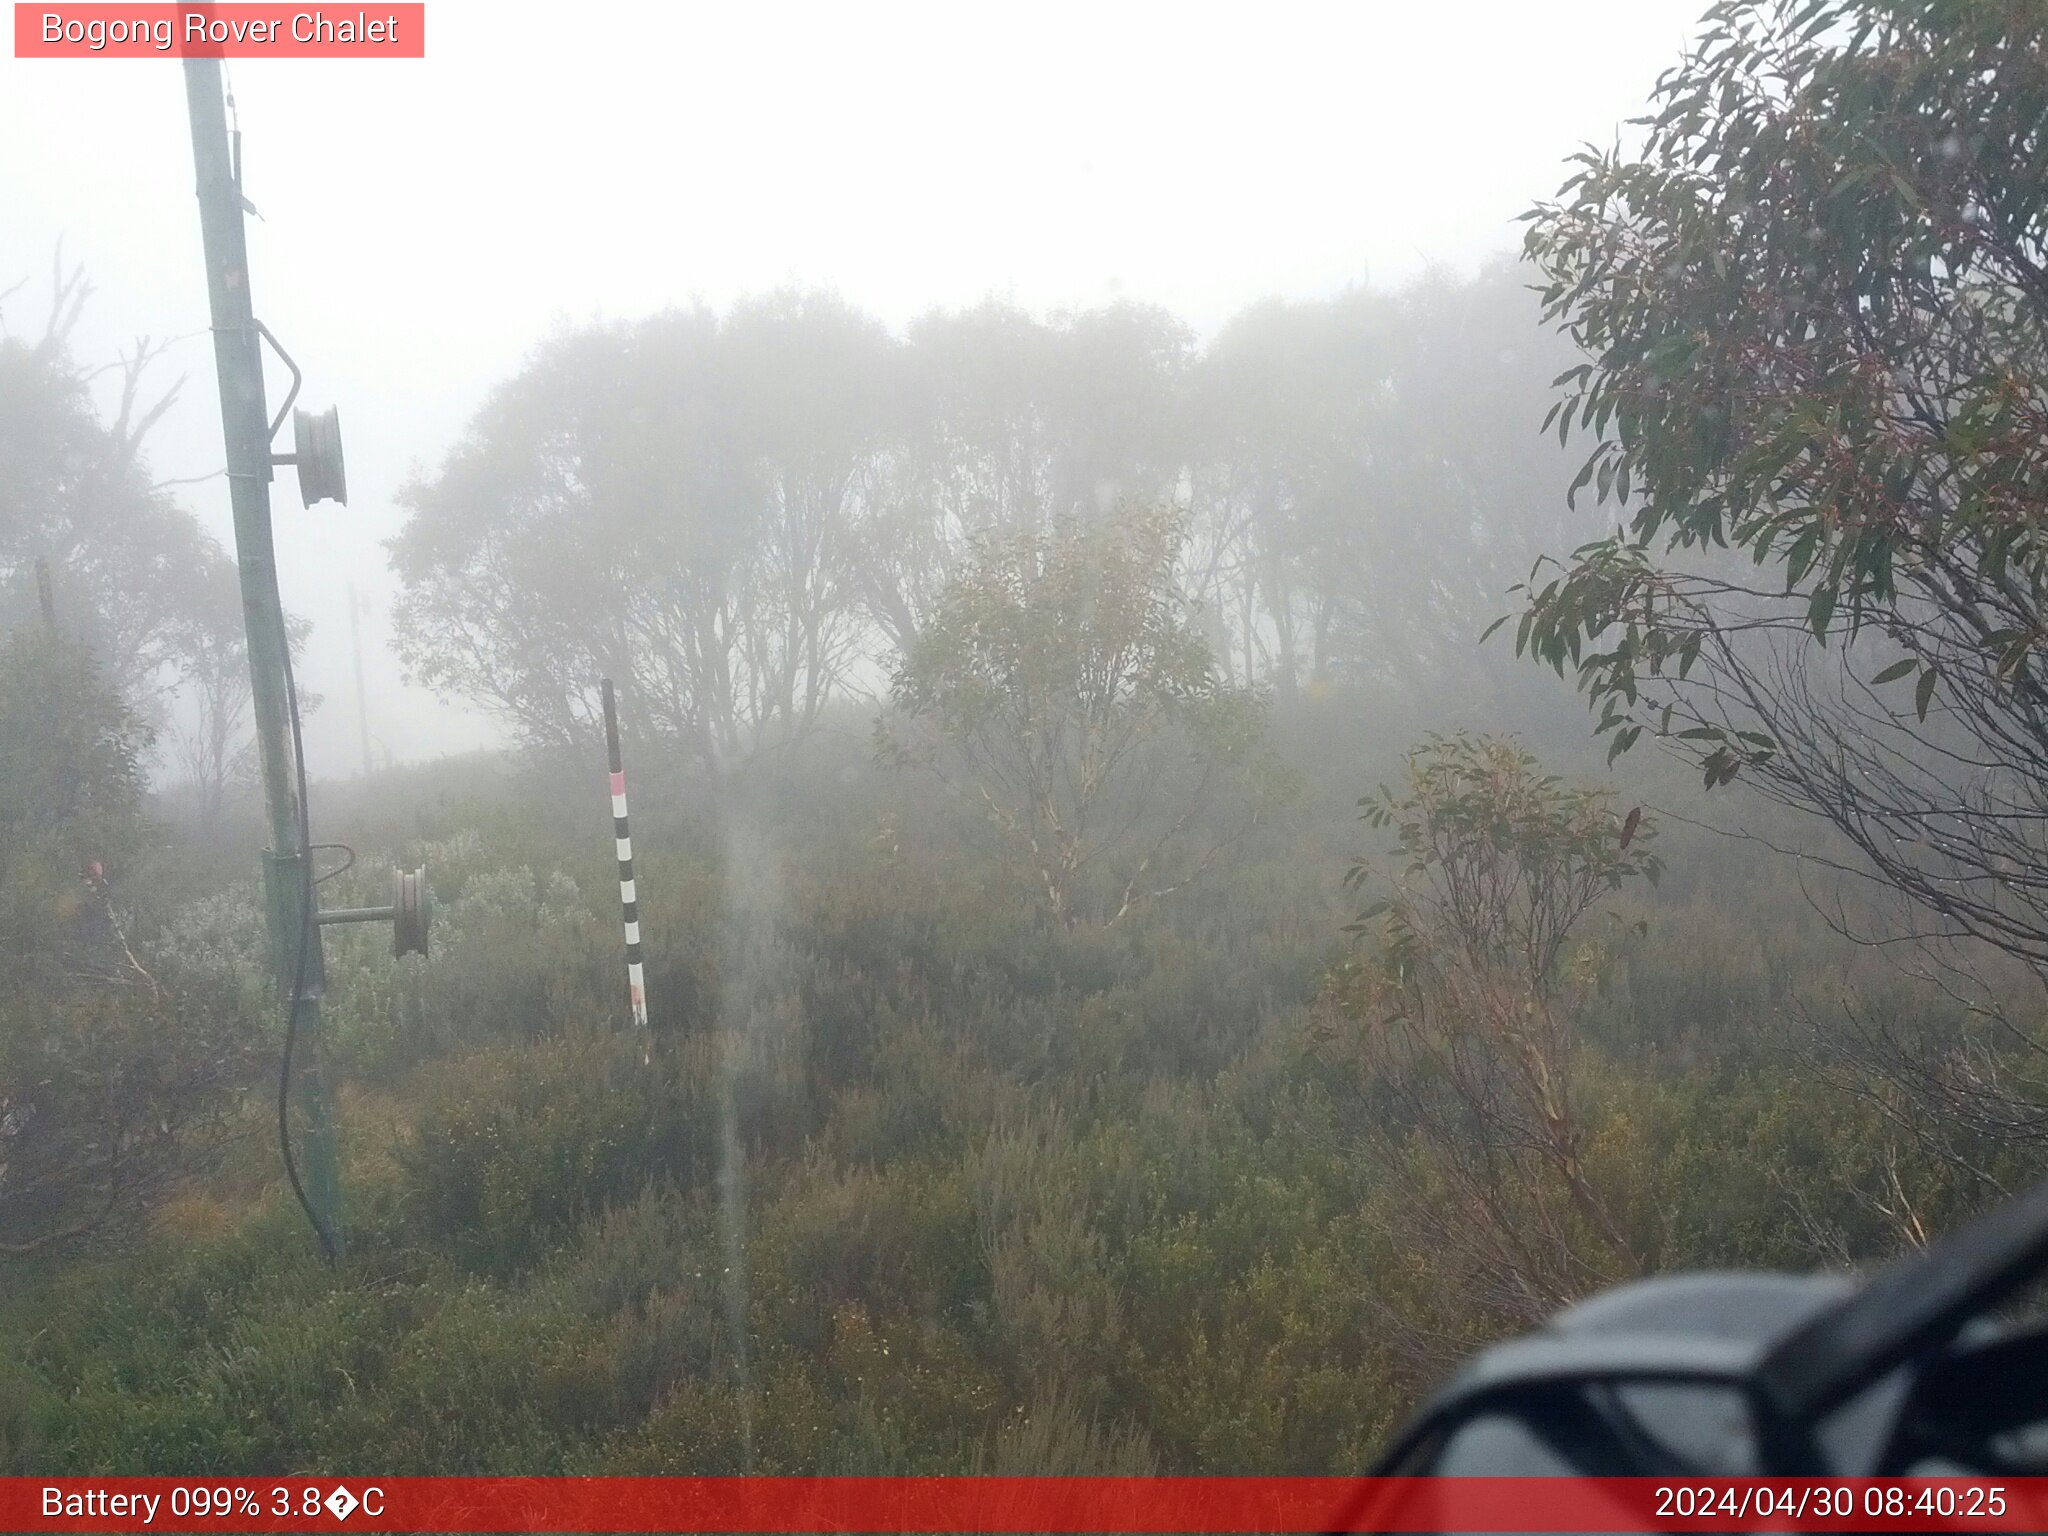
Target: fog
{"x": 425, "y": 224}
{"x": 1196, "y": 857}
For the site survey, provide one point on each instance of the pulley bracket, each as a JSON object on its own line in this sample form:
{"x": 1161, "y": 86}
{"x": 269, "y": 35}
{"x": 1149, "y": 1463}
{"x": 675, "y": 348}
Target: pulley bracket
{"x": 410, "y": 913}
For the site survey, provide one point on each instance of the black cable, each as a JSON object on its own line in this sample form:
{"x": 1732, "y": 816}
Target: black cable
{"x": 342, "y": 869}
{"x": 306, "y": 881}
{"x": 291, "y": 1021}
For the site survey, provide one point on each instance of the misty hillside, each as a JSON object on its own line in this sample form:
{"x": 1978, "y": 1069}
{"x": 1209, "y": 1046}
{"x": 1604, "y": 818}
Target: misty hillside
{"x": 1185, "y": 871}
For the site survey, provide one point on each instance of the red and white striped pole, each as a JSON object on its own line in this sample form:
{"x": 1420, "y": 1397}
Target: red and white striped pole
{"x": 629, "y": 894}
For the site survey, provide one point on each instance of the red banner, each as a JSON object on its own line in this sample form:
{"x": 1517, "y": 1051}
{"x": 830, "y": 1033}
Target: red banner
{"x": 1061, "y": 1504}
{"x": 219, "y": 31}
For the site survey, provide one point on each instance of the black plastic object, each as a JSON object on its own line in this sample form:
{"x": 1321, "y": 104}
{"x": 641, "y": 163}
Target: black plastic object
{"x": 1756, "y": 1374}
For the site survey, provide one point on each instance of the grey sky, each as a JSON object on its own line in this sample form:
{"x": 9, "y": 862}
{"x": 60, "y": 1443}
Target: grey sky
{"x": 424, "y": 222}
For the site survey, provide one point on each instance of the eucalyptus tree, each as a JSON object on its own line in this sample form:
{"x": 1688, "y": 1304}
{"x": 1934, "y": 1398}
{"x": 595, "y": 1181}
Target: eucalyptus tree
{"x": 1368, "y": 477}
{"x": 1814, "y": 312}
{"x": 1464, "y": 1014}
{"x": 1012, "y": 422}
{"x": 628, "y": 506}
{"x": 131, "y": 572}
{"x": 815, "y": 389}
{"x": 1064, "y": 688}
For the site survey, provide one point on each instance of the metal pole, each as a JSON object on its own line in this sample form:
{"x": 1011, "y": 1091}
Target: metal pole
{"x": 629, "y": 890}
{"x": 245, "y": 424}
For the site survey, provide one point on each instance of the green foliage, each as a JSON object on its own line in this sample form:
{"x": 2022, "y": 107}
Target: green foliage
{"x": 908, "y": 1178}
{"x": 1508, "y": 855}
{"x": 667, "y": 502}
{"x": 531, "y": 1143}
{"x": 728, "y": 514}
{"x": 71, "y": 765}
{"x": 1464, "y": 1017}
{"x": 916, "y": 1181}
{"x": 108, "y": 1065}
{"x": 1081, "y": 620}
{"x": 1812, "y": 306}
{"x": 1364, "y": 483}
{"x": 1068, "y": 675}
{"x": 131, "y": 574}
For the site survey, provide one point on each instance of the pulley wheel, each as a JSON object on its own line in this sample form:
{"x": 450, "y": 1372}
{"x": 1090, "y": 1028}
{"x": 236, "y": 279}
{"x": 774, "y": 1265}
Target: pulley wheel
{"x": 316, "y": 443}
{"x": 409, "y": 910}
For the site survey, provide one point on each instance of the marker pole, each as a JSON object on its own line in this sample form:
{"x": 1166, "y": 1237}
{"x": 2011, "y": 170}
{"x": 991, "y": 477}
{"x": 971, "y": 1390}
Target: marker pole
{"x": 629, "y": 896}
